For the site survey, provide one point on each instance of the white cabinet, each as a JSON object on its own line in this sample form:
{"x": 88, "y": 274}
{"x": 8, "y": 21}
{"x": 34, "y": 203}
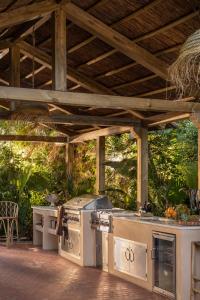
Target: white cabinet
{"x": 130, "y": 257}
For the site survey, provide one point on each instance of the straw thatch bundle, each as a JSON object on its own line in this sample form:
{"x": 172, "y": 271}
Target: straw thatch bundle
{"x": 185, "y": 70}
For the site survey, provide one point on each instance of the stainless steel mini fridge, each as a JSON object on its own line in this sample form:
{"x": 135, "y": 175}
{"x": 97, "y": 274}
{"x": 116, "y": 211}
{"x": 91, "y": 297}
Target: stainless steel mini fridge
{"x": 164, "y": 264}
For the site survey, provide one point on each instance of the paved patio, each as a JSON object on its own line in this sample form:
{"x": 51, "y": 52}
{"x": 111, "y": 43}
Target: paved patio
{"x": 28, "y": 273}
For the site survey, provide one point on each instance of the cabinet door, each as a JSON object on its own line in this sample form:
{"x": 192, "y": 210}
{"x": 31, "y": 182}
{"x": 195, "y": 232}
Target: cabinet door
{"x": 121, "y": 255}
{"x": 138, "y": 260}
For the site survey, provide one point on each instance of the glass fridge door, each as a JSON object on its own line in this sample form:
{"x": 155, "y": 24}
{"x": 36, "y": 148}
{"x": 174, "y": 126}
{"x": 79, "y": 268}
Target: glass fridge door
{"x": 164, "y": 263}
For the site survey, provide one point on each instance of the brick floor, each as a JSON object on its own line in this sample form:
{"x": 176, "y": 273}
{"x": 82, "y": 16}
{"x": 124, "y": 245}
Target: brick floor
{"x": 28, "y": 273}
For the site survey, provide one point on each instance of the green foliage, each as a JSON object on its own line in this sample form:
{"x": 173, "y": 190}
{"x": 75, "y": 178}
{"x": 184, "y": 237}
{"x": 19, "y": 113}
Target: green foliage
{"x": 29, "y": 172}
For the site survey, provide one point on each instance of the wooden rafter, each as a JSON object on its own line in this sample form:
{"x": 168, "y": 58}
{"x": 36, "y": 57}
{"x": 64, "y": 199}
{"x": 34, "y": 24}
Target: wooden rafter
{"x": 165, "y": 118}
{"x": 45, "y": 59}
{"x": 27, "y": 13}
{"x": 73, "y": 75}
{"x": 143, "y": 37}
{"x": 133, "y": 64}
{"x": 115, "y": 39}
{"x": 97, "y": 133}
{"x": 117, "y": 23}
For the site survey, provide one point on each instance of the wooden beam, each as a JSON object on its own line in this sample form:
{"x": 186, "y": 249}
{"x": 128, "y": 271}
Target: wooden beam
{"x": 142, "y": 165}
{"x": 14, "y": 71}
{"x": 88, "y": 83}
{"x": 92, "y": 135}
{"x": 89, "y": 120}
{"x": 40, "y": 56}
{"x": 59, "y": 44}
{"x": 115, "y": 39}
{"x": 100, "y": 166}
{"x": 36, "y": 139}
{"x": 165, "y": 118}
{"x": 95, "y": 100}
{"x": 34, "y": 27}
{"x": 57, "y": 128}
{"x": 27, "y": 13}
{"x": 158, "y": 91}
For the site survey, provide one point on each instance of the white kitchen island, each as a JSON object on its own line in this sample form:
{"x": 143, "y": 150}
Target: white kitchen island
{"x": 156, "y": 255}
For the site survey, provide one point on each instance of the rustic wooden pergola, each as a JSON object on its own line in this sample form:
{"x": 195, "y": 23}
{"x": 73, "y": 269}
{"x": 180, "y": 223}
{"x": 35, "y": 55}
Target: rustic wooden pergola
{"x": 96, "y": 65}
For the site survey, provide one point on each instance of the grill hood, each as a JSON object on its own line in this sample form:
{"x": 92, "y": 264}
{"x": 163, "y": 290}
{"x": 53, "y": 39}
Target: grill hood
{"x": 88, "y": 202}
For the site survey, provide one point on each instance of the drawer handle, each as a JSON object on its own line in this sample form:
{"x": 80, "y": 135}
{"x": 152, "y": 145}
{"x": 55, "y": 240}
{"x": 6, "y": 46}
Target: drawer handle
{"x": 127, "y": 258}
{"x": 133, "y": 256}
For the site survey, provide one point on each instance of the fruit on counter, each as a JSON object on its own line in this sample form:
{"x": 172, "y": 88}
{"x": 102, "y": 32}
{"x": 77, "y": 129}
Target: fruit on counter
{"x": 170, "y": 213}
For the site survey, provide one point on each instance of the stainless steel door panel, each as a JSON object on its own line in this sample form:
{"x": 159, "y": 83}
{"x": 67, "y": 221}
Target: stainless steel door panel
{"x": 72, "y": 244}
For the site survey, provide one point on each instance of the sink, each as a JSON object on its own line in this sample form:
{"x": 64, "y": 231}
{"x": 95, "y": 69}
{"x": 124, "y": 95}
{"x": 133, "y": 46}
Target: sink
{"x": 159, "y": 220}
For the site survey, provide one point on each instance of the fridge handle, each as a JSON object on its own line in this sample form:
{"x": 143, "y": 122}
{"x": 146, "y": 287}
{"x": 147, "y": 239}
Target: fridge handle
{"x": 153, "y": 253}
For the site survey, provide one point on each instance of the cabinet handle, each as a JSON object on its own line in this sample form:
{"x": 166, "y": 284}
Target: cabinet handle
{"x": 128, "y": 254}
{"x": 133, "y": 256}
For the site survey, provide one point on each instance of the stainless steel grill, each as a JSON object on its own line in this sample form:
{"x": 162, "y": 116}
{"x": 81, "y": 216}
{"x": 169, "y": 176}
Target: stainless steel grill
{"x": 88, "y": 202}
{"x": 79, "y": 240}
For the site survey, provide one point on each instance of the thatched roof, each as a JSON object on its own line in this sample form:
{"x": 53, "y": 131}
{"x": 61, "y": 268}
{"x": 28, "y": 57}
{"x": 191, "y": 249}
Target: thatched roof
{"x": 158, "y": 26}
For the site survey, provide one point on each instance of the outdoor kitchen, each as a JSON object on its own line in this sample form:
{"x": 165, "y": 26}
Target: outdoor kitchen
{"x": 100, "y": 150}
{"x": 158, "y": 254}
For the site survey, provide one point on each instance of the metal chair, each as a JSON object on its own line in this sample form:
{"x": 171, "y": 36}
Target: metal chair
{"x": 9, "y": 220}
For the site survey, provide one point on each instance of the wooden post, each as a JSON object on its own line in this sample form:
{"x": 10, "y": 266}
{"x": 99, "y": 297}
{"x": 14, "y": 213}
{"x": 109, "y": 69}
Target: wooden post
{"x": 59, "y": 59}
{"x": 142, "y": 165}
{"x": 198, "y": 158}
{"x": 14, "y": 53}
{"x": 69, "y": 160}
{"x": 100, "y": 167}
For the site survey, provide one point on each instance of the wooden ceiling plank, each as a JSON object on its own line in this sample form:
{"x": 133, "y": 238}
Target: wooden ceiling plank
{"x": 96, "y": 100}
{"x": 115, "y": 39}
{"x": 167, "y": 26}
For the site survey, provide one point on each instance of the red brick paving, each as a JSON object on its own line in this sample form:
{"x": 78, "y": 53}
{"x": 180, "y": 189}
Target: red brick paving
{"x": 28, "y": 273}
